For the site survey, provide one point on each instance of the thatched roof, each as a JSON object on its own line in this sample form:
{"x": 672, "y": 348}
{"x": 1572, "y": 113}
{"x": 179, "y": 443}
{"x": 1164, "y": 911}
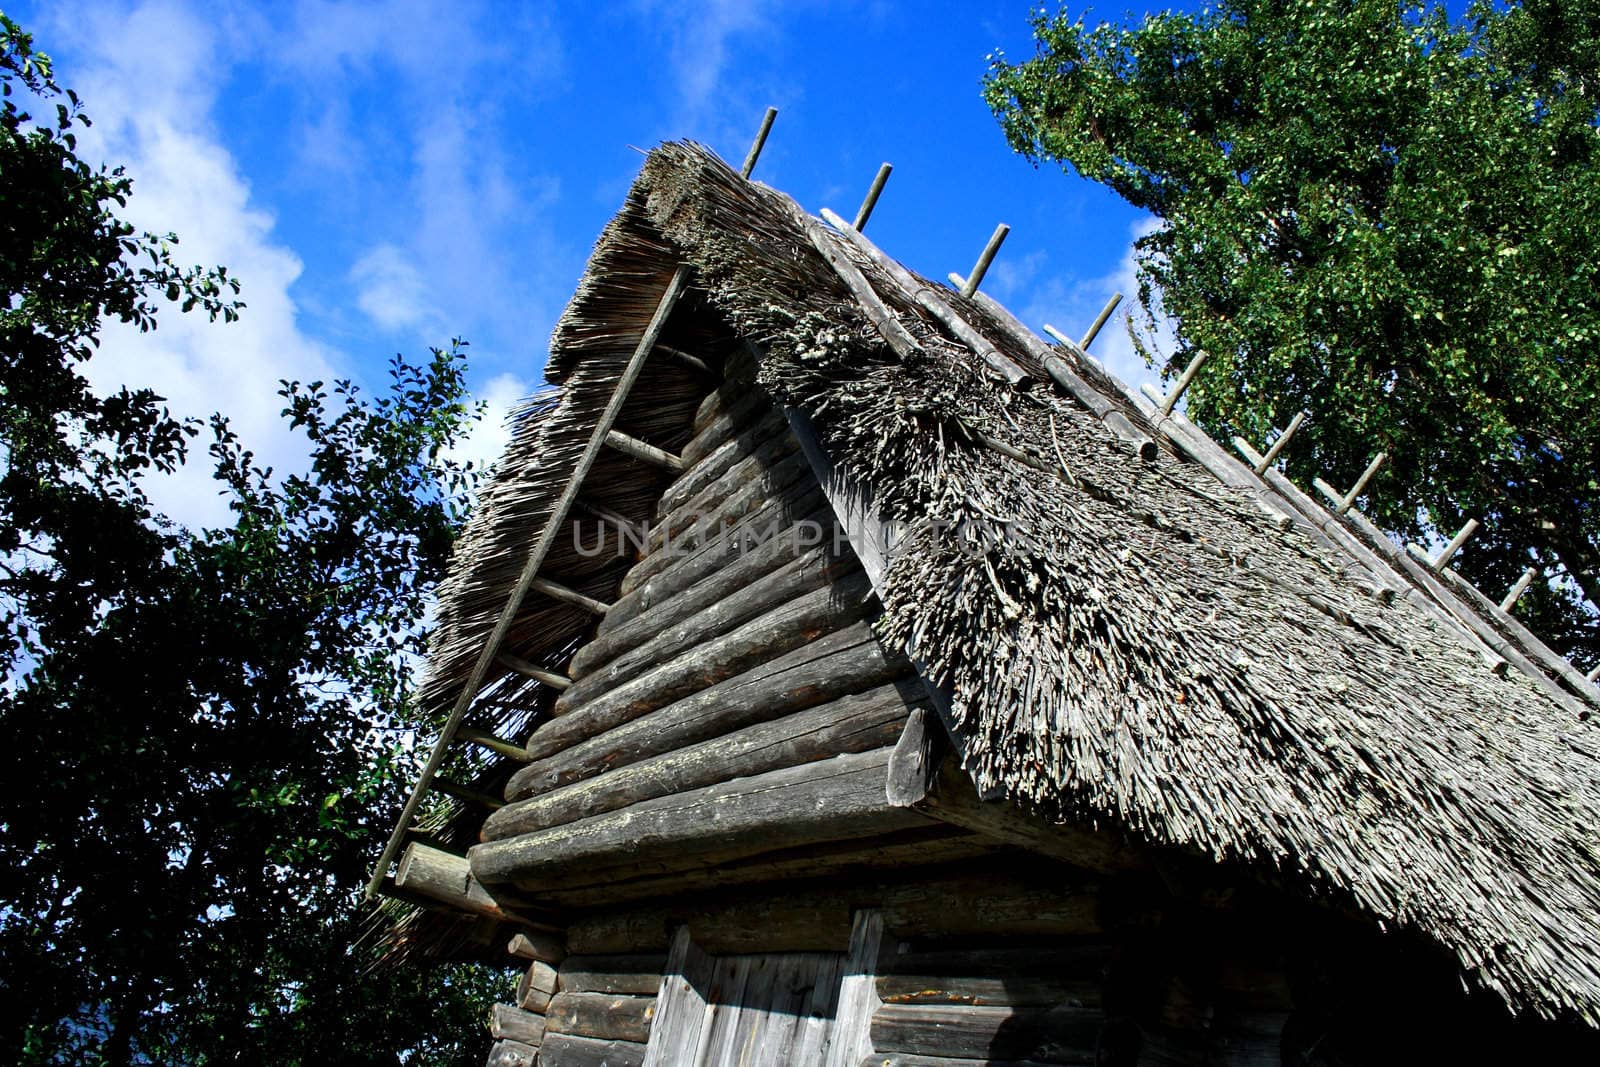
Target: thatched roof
{"x": 1156, "y": 650}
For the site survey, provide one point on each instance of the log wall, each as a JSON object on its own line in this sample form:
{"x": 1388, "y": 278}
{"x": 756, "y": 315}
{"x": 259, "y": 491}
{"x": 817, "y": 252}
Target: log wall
{"x": 733, "y": 703}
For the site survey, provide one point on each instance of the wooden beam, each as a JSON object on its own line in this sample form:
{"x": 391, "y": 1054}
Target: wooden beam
{"x": 1344, "y": 503}
{"x": 924, "y": 296}
{"x": 537, "y": 555}
{"x": 639, "y": 975}
{"x": 848, "y": 861}
{"x": 467, "y": 793}
{"x": 569, "y": 1050}
{"x": 888, "y": 325}
{"x": 556, "y": 591}
{"x": 1068, "y": 380}
{"x": 484, "y": 739}
{"x": 1170, "y": 400}
{"x": 858, "y": 992}
{"x": 643, "y": 450}
{"x": 953, "y": 799}
{"x": 447, "y": 878}
{"x": 687, "y": 359}
{"x": 528, "y": 670}
{"x": 985, "y": 1034}
{"x": 538, "y": 947}
{"x": 830, "y": 800}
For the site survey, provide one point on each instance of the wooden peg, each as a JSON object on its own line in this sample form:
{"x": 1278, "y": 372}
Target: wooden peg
{"x": 865, "y": 211}
{"x": 484, "y": 739}
{"x": 1455, "y": 544}
{"x": 1517, "y": 590}
{"x": 1342, "y": 504}
{"x": 1260, "y": 463}
{"x": 759, "y": 143}
{"x": 1100, "y": 320}
{"x": 980, "y": 268}
{"x": 1283, "y": 439}
{"x": 1181, "y": 386}
{"x": 1594, "y": 675}
{"x": 529, "y": 670}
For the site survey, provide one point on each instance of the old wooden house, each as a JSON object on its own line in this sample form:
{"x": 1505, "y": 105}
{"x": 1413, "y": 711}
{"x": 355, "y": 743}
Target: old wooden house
{"x": 836, "y": 673}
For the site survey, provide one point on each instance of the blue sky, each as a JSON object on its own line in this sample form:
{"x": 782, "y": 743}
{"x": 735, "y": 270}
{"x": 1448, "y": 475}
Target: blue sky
{"x": 387, "y": 174}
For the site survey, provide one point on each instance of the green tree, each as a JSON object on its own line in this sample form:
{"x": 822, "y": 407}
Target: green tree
{"x": 198, "y": 730}
{"x": 1380, "y": 216}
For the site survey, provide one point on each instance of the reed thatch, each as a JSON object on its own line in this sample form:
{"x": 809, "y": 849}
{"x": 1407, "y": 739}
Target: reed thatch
{"x": 1153, "y": 649}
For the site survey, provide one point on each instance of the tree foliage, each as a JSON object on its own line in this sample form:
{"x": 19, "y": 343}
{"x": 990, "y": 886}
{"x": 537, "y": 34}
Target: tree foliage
{"x": 198, "y": 730}
{"x": 1380, "y": 216}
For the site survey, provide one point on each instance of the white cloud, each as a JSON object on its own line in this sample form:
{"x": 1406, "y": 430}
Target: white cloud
{"x": 148, "y": 75}
{"x": 391, "y": 290}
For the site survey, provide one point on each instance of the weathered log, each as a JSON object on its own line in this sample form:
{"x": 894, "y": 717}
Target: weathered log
{"x": 643, "y": 451}
{"x": 775, "y": 517}
{"x": 535, "y": 987}
{"x": 512, "y": 1054}
{"x": 954, "y": 800}
{"x": 535, "y": 945}
{"x": 447, "y": 878}
{"x": 694, "y": 667}
{"x": 803, "y": 921}
{"x": 812, "y": 570}
{"x": 633, "y": 621}
{"x": 715, "y": 463}
{"x": 763, "y": 639}
{"x": 1059, "y": 1035}
{"x": 639, "y": 975}
{"x": 726, "y": 410}
{"x": 988, "y": 990}
{"x": 748, "y": 488}
{"x": 1077, "y": 960}
{"x": 610, "y": 1016}
{"x": 764, "y": 470}
{"x": 991, "y": 905}
{"x": 852, "y": 724}
{"x": 568, "y": 1050}
{"x": 835, "y": 799}
{"x": 848, "y": 861}
{"x": 514, "y": 1024}
{"x": 848, "y": 661}
{"x": 557, "y": 591}
{"x": 889, "y": 327}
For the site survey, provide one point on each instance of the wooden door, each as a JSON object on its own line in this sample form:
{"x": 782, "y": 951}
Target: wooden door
{"x": 766, "y": 1010}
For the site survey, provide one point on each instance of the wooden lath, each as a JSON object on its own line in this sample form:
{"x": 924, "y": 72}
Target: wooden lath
{"x": 602, "y": 436}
